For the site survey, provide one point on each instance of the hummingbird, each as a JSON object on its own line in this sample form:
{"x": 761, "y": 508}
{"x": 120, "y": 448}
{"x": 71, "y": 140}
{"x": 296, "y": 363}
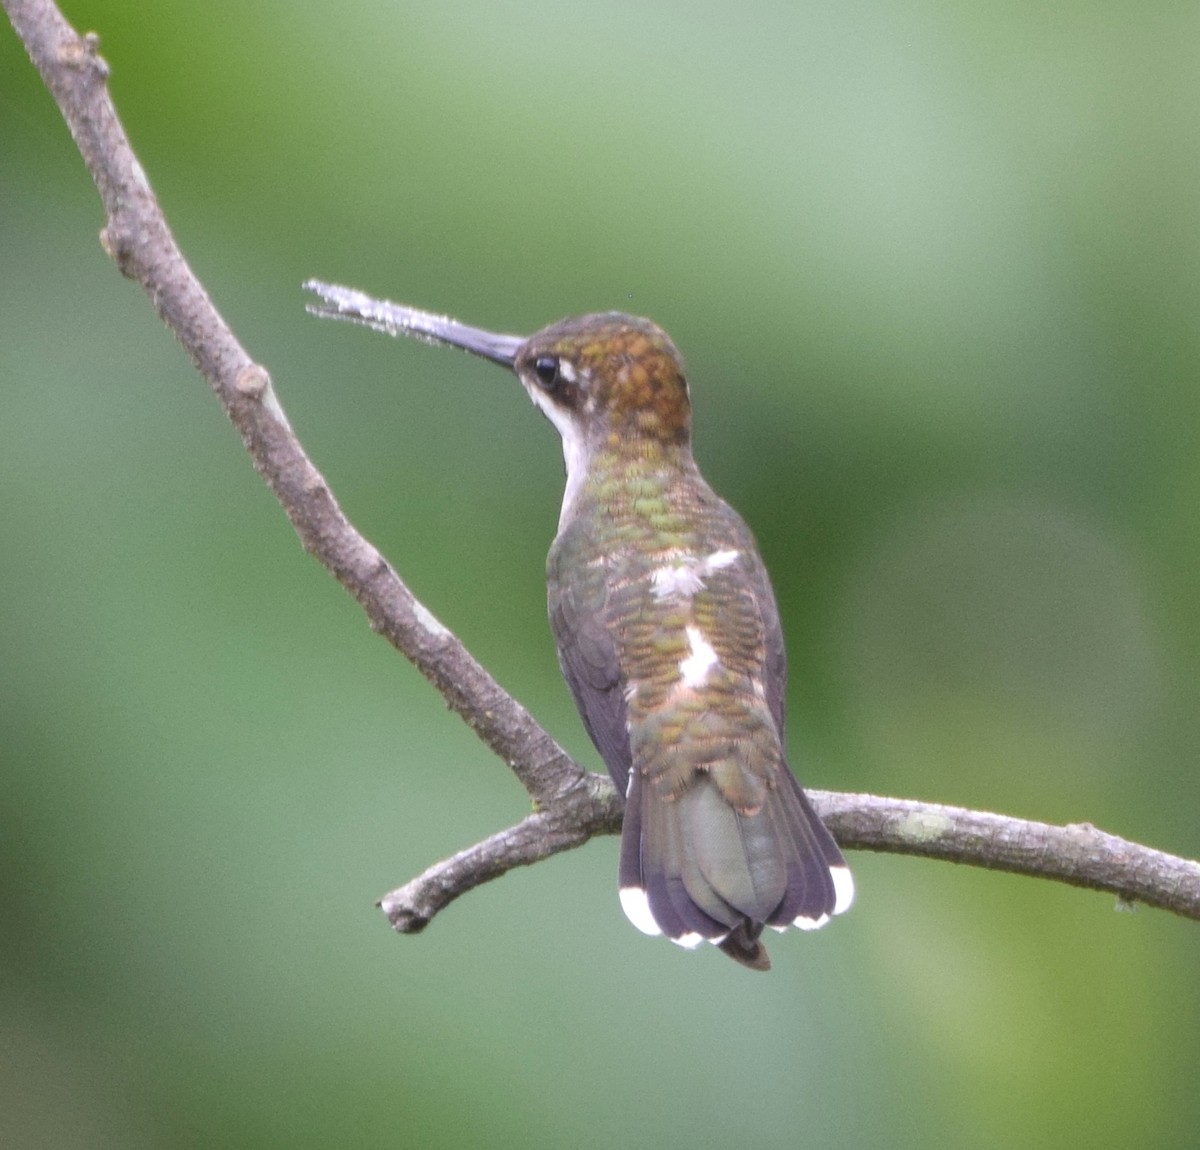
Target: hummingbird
{"x": 668, "y": 635}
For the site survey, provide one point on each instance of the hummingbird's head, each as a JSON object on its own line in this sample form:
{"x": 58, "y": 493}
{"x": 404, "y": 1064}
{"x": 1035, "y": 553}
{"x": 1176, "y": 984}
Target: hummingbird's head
{"x": 607, "y": 380}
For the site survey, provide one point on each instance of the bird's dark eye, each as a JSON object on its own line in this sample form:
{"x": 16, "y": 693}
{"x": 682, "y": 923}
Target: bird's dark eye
{"x": 545, "y": 367}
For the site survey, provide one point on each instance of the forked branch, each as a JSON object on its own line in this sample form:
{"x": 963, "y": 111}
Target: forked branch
{"x": 570, "y": 804}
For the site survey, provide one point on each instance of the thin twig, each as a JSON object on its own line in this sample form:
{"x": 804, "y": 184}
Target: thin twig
{"x": 572, "y": 805}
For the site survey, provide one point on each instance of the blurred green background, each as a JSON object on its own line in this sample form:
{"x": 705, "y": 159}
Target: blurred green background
{"x": 936, "y": 270}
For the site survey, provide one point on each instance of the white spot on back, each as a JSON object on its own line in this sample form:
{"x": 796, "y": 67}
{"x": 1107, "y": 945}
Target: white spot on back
{"x": 719, "y": 559}
{"x": 689, "y": 941}
{"x": 636, "y": 906}
{"x": 687, "y": 577}
{"x": 676, "y": 581}
{"x": 703, "y": 658}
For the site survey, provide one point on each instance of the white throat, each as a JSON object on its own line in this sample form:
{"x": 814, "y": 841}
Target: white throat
{"x": 574, "y": 451}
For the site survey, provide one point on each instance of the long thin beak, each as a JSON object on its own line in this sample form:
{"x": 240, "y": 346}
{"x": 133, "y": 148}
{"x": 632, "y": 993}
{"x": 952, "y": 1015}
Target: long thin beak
{"x": 398, "y": 319}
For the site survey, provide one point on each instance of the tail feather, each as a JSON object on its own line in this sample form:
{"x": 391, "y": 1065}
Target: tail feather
{"x": 659, "y": 862}
{"x": 694, "y": 898}
{"x": 694, "y": 868}
{"x": 811, "y": 894}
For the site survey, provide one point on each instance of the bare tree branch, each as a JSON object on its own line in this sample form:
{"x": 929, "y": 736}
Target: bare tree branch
{"x": 138, "y": 240}
{"x": 1078, "y": 854}
{"x": 571, "y": 804}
